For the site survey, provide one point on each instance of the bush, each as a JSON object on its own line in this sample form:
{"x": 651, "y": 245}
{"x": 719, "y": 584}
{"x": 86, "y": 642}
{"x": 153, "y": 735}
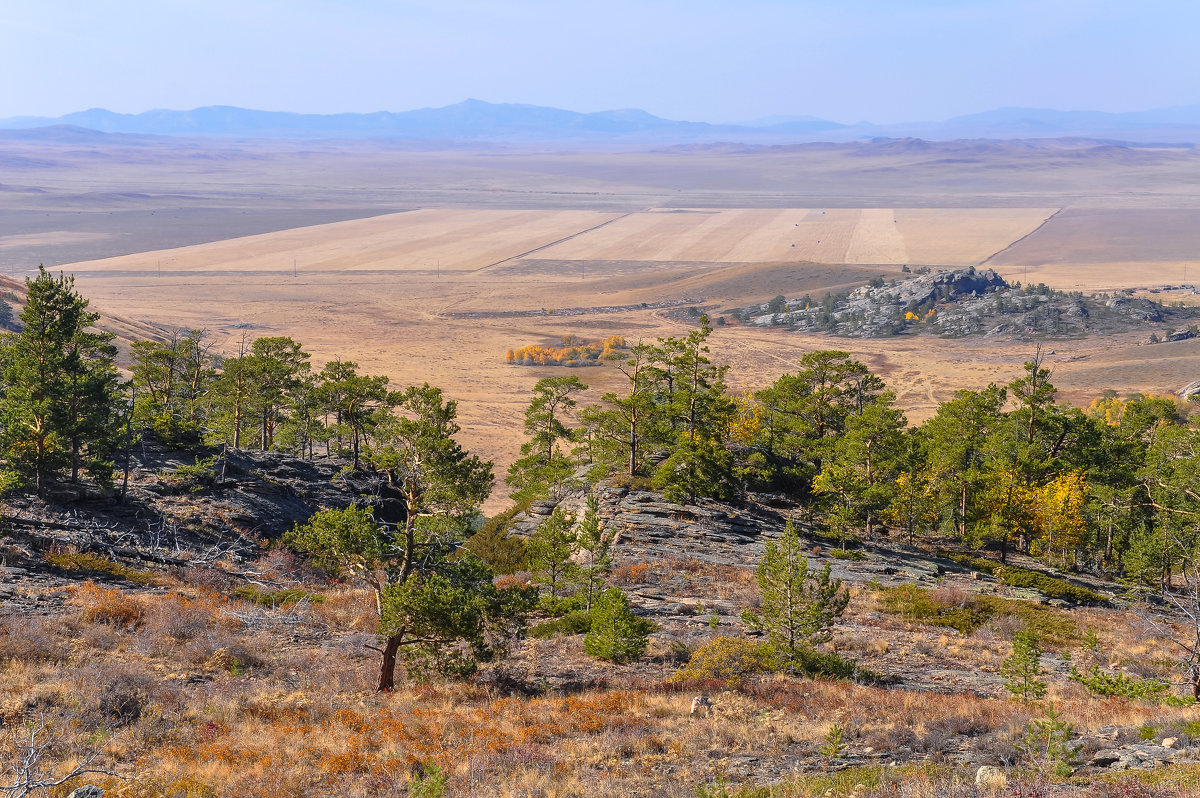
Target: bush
{"x": 118, "y": 693}
{"x": 573, "y": 623}
{"x": 30, "y": 639}
{"x": 87, "y": 562}
{"x": 503, "y": 553}
{"x": 973, "y": 611}
{"x": 107, "y": 605}
{"x": 728, "y": 659}
{"x": 1104, "y": 683}
{"x": 828, "y": 665}
{"x": 915, "y": 604}
{"x": 616, "y": 634}
{"x": 734, "y": 659}
{"x": 275, "y": 598}
{"x": 1013, "y": 576}
{"x": 193, "y": 478}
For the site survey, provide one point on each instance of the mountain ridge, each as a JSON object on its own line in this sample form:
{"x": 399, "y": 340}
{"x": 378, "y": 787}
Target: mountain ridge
{"x": 478, "y": 120}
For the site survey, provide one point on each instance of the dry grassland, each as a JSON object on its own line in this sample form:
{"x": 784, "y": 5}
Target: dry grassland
{"x": 200, "y": 694}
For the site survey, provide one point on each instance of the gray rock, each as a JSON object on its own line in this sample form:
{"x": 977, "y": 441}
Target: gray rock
{"x": 87, "y": 791}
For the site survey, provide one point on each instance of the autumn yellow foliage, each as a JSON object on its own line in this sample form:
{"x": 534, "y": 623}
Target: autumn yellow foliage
{"x": 573, "y": 352}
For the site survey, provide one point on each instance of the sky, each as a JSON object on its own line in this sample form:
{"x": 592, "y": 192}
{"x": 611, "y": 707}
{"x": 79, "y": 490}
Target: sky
{"x": 881, "y": 61}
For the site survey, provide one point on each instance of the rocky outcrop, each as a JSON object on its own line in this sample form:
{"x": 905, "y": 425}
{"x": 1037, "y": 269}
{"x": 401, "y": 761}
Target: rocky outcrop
{"x": 963, "y": 302}
{"x": 645, "y": 525}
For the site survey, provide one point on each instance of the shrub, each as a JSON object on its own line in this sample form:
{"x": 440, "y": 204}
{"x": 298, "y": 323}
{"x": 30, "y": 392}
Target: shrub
{"x": 573, "y": 623}
{"x": 30, "y": 639}
{"x": 616, "y": 633}
{"x": 87, "y": 562}
{"x": 734, "y": 659}
{"x": 193, "y": 478}
{"x": 727, "y": 659}
{"x": 275, "y": 598}
{"x": 107, "y": 605}
{"x": 1104, "y": 683}
{"x": 916, "y": 604}
{"x": 118, "y": 693}
{"x": 1013, "y": 576}
{"x": 504, "y": 553}
{"x": 828, "y": 665}
{"x": 967, "y": 613}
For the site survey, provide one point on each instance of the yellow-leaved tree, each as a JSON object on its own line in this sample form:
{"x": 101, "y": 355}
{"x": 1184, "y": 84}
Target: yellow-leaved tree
{"x": 1061, "y": 522}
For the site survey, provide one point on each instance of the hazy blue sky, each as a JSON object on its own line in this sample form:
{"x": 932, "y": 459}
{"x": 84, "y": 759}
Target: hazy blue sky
{"x": 704, "y": 60}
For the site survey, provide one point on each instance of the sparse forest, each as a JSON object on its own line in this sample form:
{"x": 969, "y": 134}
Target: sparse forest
{"x": 449, "y": 601}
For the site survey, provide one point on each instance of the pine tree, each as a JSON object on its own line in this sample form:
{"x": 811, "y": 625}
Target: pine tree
{"x": 543, "y": 465}
{"x": 353, "y": 400}
{"x": 169, "y": 378}
{"x": 1022, "y": 668}
{"x": 61, "y": 387}
{"x": 616, "y": 633}
{"x": 596, "y": 560}
{"x": 549, "y": 549}
{"x": 798, "y": 606}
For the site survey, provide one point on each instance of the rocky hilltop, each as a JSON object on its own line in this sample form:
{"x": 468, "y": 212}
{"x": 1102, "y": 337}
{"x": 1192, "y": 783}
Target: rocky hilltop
{"x": 965, "y": 302}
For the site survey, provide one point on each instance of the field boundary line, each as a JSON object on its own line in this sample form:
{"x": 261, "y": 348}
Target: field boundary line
{"x": 559, "y": 241}
{"x": 1000, "y": 252}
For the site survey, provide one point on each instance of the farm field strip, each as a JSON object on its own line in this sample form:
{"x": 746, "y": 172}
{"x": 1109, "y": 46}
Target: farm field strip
{"x": 952, "y": 237}
{"x": 421, "y": 240}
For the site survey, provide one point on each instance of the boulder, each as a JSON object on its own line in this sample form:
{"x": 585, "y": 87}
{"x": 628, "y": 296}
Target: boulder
{"x": 990, "y": 778}
{"x": 87, "y": 791}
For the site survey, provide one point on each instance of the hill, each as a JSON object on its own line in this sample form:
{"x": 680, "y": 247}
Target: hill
{"x": 171, "y": 623}
{"x": 972, "y": 302}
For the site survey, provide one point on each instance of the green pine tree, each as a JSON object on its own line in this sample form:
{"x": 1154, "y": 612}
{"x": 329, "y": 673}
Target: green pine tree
{"x": 798, "y": 606}
{"x": 60, "y": 403}
{"x": 1022, "y": 668}
{"x": 616, "y": 634}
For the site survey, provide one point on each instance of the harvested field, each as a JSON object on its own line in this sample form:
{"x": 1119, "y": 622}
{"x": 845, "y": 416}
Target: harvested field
{"x": 964, "y": 236}
{"x": 423, "y": 240}
{"x": 951, "y": 237}
{"x": 1098, "y": 249}
{"x": 877, "y": 239}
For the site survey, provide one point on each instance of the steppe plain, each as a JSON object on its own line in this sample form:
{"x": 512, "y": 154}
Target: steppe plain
{"x": 427, "y": 263}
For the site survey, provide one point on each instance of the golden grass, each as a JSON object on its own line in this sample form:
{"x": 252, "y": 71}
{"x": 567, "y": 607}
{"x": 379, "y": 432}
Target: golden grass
{"x": 300, "y": 718}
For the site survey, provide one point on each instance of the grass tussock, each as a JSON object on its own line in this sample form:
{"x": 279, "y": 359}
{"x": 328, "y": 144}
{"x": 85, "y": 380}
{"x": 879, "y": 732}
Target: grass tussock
{"x": 88, "y": 563}
{"x": 968, "y": 612}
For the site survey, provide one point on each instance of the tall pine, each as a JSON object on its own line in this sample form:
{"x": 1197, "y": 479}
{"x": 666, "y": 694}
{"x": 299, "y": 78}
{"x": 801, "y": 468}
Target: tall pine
{"x": 61, "y": 391}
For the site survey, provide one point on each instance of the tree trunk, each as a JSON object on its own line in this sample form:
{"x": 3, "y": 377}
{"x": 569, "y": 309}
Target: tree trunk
{"x": 632, "y": 448}
{"x": 962, "y": 510}
{"x": 387, "y": 670}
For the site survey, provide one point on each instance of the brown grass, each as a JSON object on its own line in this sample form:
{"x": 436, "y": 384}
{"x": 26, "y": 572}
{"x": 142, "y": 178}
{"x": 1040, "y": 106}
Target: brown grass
{"x": 205, "y": 704}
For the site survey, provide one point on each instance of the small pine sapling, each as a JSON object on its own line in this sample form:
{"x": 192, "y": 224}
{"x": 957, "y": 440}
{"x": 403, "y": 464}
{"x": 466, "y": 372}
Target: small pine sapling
{"x": 1022, "y": 668}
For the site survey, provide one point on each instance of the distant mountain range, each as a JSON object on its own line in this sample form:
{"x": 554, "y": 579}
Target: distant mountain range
{"x": 475, "y": 120}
